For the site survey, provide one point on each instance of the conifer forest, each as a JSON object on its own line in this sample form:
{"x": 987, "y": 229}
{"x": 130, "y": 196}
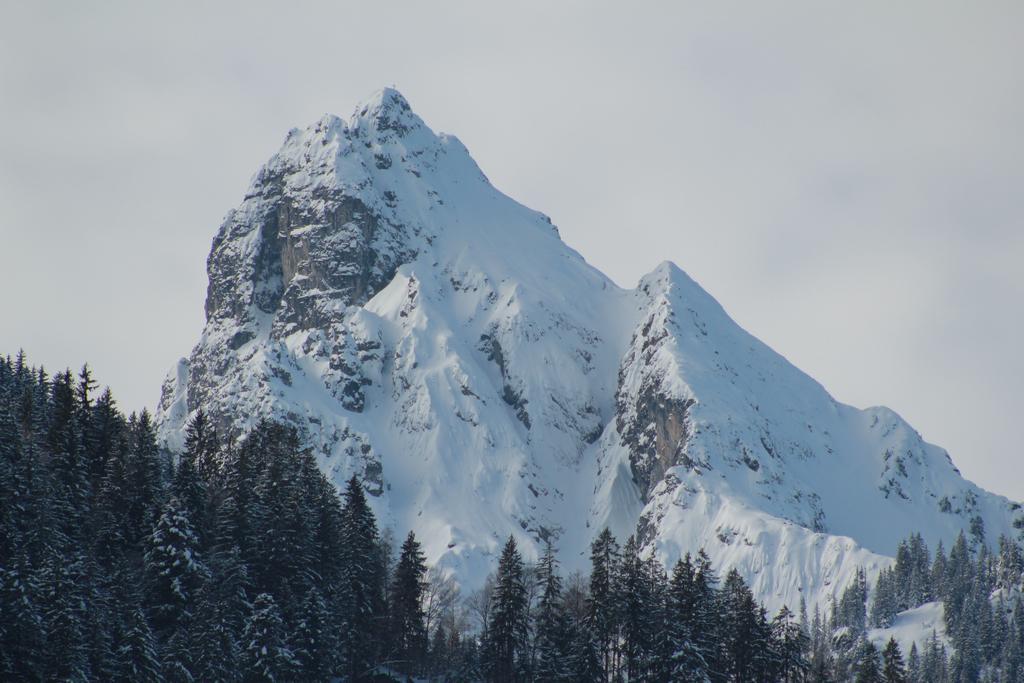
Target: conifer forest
{"x": 241, "y": 562}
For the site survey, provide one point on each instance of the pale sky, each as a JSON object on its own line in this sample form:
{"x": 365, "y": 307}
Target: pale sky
{"x": 847, "y": 179}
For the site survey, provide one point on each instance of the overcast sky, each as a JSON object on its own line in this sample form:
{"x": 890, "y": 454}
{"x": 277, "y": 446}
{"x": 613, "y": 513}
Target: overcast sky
{"x": 846, "y": 178}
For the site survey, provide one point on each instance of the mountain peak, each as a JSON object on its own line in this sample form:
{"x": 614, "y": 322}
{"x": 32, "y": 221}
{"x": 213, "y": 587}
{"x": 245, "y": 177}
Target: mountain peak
{"x": 385, "y": 112}
{"x": 430, "y": 335}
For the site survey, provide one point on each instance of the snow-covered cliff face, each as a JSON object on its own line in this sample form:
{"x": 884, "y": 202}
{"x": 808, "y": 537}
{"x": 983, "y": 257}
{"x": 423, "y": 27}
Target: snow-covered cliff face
{"x": 439, "y": 340}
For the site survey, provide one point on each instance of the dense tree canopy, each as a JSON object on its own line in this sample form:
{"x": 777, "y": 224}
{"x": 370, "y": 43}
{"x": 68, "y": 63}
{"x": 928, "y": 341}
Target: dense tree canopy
{"x": 240, "y": 562}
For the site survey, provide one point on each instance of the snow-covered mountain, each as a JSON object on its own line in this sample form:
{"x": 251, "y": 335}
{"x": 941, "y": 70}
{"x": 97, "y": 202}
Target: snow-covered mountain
{"x": 438, "y": 339}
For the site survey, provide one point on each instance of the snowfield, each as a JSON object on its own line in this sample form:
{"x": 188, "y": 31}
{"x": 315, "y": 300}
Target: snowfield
{"x": 913, "y": 626}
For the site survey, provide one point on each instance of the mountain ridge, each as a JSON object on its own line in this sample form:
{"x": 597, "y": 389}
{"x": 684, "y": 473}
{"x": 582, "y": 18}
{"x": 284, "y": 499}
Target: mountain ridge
{"x": 438, "y": 339}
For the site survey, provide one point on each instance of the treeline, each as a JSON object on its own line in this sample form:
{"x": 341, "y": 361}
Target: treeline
{"x": 240, "y": 562}
{"x": 233, "y": 563}
{"x": 980, "y": 592}
{"x": 981, "y": 595}
{"x": 631, "y": 621}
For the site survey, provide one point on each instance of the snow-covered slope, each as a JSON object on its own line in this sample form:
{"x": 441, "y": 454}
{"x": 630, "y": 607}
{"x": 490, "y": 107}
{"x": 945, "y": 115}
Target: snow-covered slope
{"x": 914, "y": 626}
{"x": 438, "y": 339}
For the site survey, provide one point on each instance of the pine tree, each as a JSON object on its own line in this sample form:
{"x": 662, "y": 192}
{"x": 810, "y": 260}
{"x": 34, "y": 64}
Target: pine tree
{"x": 552, "y": 623}
{"x": 21, "y": 623}
{"x": 173, "y": 570}
{"x": 201, "y": 443}
{"x": 86, "y": 425}
{"x": 868, "y": 670}
{"x": 314, "y": 644}
{"x": 603, "y": 612}
{"x": 709, "y": 631}
{"x": 884, "y": 606}
{"x": 111, "y": 509}
{"x": 266, "y": 656}
{"x": 957, "y": 581}
{"x": 934, "y": 664}
{"x": 190, "y": 490}
{"x": 407, "y": 628}
{"x": 64, "y": 603}
{"x": 507, "y": 629}
{"x": 658, "y": 661}
{"x": 279, "y": 515}
{"x": 893, "y": 670}
{"x": 791, "y": 642}
{"x": 71, "y": 474}
{"x": 136, "y": 656}
{"x": 913, "y": 665}
{"x": 222, "y": 610}
{"x": 362, "y": 563}
{"x": 688, "y": 662}
{"x": 144, "y": 484}
{"x": 633, "y": 608}
{"x": 585, "y": 662}
{"x": 740, "y": 628}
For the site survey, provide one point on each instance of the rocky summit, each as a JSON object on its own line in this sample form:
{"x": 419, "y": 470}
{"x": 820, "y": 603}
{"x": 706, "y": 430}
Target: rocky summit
{"x": 437, "y": 339}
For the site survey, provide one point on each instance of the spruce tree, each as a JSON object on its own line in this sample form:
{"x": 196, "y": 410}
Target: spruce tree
{"x": 507, "y": 629}
{"x": 362, "y": 561}
{"x": 64, "y": 604}
{"x": 868, "y": 670}
{"x": 603, "y": 607}
{"x": 893, "y": 670}
{"x": 406, "y": 624}
{"x": 709, "y": 631}
{"x": 144, "y": 489}
{"x": 172, "y": 567}
{"x": 136, "y": 656}
{"x": 21, "y": 621}
{"x": 553, "y": 631}
{"x": 633, "y": 606}
{"x": 687, "y": 659}
{"x": 266, "y": 657}
{"x": 222, "y": 609}
{"x": 913, "y": 665}
{"x": 314, "y": 643}
{"x": 71, "y": 474}
{"x": 202, "y": 445}
{"x": 190, "y": 490}
{"x": 740, "y": 628}
{"x": 791, "y": 643}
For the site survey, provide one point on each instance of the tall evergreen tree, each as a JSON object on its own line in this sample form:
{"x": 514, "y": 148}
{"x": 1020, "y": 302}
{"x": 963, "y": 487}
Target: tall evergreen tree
{"x": 791, "y": 643}
{"x": 914, "y": 665}
{"x": 740, "y": 628}
{"x": 893, "y": 670}
{"x": 190, "y": 490}
{"x": 507, "y": 630}
{"x": 136, "y": 656}
{"x": 553, "y": 631}
{"x": 315, "y": 645}
{"x": 406, "y": 627}
{"x": 202, "y": 445}
{"x": 868, "y": 670}
{"x": 362, "y": 562}
{"x": 688, "y": 660}
{"x": 144, "y": 488}
{"x": 266, "y": 657}
{"x": 64, "y": 606}
{"x": 603, "y": 607}
{"x": 173, "y": 569}
{"x": 633, "y": 605}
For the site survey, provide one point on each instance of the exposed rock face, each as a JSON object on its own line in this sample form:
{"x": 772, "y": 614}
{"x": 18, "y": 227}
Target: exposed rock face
{"x": 439, "y": 340}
